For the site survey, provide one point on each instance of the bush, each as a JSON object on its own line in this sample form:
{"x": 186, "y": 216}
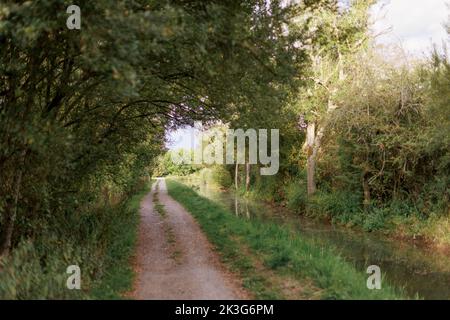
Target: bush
{"x": 221, "y": 176}
{"x": 268, "y": 188}
{"x": 29, "y": 274}
{"x": 296, "y": 196}
{"x": 99, "y": 240}
{"x": 375, "y": 220}
{"x": 334, "y": 204}
{"x": 167, "y": 167}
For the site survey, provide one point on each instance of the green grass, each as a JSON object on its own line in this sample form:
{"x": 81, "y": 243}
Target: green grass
{"x": 119, "y": 274}
{"x": 282, "y": 252}
{"x": 101, "y": 243}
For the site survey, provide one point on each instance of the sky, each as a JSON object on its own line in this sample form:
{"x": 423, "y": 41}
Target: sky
{"x": 181, "y": 139}
{"x": 414, "y": 24}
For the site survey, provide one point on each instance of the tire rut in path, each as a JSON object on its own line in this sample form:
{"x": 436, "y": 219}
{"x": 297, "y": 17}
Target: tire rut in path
{"x": 195, "y": 272}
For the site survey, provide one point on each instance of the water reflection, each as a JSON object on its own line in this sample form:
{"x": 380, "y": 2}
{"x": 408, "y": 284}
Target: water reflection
{"x": 241, "y": 206}
{"x": 405, "y": 264}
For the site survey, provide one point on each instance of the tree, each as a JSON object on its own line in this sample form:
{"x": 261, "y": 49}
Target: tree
{"x": 76, "y": 104}
{"x": 338, "y": 33}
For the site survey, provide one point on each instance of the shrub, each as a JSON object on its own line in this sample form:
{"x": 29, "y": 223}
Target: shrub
{"x": 375, "y": 219}
{"x": 334, "y": 204}
{"x": 221, "y": 176}
{"x": 268, "y": 188}
{"x": 296, "y": 196}
{"x": 99, "y": 240}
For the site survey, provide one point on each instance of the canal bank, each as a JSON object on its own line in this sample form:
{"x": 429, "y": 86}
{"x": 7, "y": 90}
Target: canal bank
{"x": 418, "y": 269}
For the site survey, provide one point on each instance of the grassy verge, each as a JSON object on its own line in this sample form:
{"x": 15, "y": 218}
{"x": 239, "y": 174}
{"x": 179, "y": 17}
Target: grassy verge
{"x": 265, "y": 254}
{"x": 119, "y": 274}
{"x": 100, "y": 241}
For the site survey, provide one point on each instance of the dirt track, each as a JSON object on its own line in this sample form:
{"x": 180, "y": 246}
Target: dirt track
{"x": 174, "y": 258}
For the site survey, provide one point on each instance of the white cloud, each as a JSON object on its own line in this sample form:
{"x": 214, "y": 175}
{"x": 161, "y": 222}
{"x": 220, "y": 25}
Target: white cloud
{"x": 414, "y": 24}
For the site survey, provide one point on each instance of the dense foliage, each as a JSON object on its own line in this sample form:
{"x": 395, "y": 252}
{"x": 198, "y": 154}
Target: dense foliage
{"x": 167, "y": 167}
{"x": 83, "y": 112}
{"x": 380, "y": 149}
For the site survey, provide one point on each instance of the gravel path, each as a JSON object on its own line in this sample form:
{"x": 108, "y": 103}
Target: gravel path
{"x": 174, "y": 258}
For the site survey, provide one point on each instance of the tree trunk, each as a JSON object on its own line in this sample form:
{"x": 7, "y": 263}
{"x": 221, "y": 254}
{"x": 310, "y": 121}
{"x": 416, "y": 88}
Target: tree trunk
{"x": 311, "y": 161}
{"x": 247, "y": 176}
{"x": 236, "y": 176}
